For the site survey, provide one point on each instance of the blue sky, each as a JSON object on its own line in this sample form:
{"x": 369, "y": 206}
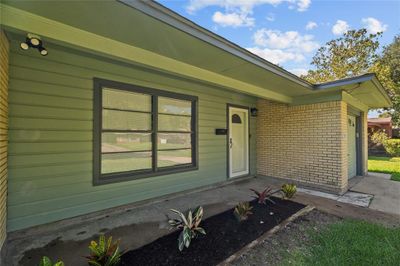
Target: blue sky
{"x": 277, "y": 29}
{"x": 288, "y": 32}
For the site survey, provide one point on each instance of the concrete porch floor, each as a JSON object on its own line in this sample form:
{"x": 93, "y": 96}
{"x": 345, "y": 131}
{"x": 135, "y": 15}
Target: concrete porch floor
{"x": 386, "y": 192}
{"x": 139, "y": 224}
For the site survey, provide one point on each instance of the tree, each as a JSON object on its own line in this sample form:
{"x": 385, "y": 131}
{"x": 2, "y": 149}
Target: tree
{"x": 356, "y": 53}
{"x": 351, "y": 55}
{"x": 384, "y": 115}
{"x": 387, "y": 68}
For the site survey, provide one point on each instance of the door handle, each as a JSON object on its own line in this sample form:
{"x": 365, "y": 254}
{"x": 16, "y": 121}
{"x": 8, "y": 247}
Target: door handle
{"x": 230, "y": 143}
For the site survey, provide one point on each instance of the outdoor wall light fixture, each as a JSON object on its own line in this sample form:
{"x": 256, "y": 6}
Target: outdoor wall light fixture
{"x": 253, "y": 111}
{"x": 34, "y": 41}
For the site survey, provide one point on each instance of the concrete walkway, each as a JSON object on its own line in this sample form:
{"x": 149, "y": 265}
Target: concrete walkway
{"x": 142, "y": 223}
{"x": 386, "y": 192}
{"x": 351, "y": 197}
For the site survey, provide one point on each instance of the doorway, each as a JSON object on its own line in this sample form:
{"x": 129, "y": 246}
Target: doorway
{"x": 352, "y": 146}
{"x": 238, "y": 141}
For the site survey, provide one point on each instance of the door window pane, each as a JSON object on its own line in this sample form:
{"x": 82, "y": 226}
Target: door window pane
{"x": 174, "y": 123}
{"x": 174, "y": 157}
{"x": 123, "y": 162}
{"x": 124, "y": 142}
{"x": 122, "y": 120}
{"x": 174, "y": 106}
{"x": 126, "y": 100}
{"x": 174, "y": 140}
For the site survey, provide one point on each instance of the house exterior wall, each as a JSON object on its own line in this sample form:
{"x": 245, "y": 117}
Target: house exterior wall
{"x": 51, "y": 123}
{"x": 305, "y": 143}
{"x": 4, "y": 53}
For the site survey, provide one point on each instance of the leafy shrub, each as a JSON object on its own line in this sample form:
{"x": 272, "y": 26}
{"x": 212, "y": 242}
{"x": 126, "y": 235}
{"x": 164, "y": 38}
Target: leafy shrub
{"x": 379, "y": 137}
{"x": 45, "y": 261}
{"x": 392, "y": 146}
{"x": 104, "y": 253}
{"x": 242, "y": 211}
{"x": 189, "y": 225}
{"x": 288, "y": 190}
{"x": 264, "y": 195}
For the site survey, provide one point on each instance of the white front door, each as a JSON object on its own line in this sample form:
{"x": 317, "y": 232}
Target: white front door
{"x": 351, "y": 146}
{"x": 238, "y": 141}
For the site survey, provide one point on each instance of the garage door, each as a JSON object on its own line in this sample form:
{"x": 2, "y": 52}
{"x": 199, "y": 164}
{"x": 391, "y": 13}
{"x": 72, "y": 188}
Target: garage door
{"x": 351, "y": 142}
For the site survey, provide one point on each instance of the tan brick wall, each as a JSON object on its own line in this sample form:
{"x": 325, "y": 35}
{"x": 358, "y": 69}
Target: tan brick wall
{"x": 4, "y": 51}
{"x": 306, "y": 143}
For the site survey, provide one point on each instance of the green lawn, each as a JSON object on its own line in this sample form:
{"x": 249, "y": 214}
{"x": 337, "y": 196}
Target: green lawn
{"x": 385, "y": 165}
{"x": 349, "y": 243}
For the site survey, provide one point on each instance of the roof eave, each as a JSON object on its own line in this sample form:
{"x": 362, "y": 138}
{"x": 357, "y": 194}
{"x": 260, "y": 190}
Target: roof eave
{"x": 344, "y": 82}
{"x": 369, "y": 77}
{"x": 381, "y": 89}
{"x": 177, "y": 21}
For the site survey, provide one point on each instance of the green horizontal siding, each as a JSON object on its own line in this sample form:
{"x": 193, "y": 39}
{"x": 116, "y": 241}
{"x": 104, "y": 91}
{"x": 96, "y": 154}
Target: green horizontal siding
{"x": 50, "y": 138}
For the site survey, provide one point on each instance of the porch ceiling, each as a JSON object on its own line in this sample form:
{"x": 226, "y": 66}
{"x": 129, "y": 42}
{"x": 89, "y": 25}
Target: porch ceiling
{"x": 138, "y": 29}
{"x": 148, "y": 33}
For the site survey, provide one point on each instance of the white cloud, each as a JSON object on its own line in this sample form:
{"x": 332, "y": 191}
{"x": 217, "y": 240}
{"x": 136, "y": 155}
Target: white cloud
{"x": 311, "y": 25}
{"x": 281, "y": 47}
{"x": 244, "y": 5}
{"x": 277, "y": 56}
{"x": 298, "y": 71}
{"x": 340, "y": 27}
{"x": 302, "y": 5}
{"x": 233, "y": 19}
{"x": 289, "y": 40}
{"x": 373, "y": 25}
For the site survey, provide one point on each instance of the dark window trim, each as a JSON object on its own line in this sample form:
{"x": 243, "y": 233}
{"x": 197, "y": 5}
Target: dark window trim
{"x": 121, "y": 152}
{"x": 126, "y": 110}
{"x": 100, "y": 179}
{"x": 172, "y": 114}
{"x": 127, "y": 131}
{"x": 174, "y": 149}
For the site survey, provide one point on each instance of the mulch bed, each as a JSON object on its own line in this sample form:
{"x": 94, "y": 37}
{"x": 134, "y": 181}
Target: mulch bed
{"x": 225, "y": 236}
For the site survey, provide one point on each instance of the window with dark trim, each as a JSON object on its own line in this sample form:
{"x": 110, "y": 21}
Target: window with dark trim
{"x": 141, "y": 132}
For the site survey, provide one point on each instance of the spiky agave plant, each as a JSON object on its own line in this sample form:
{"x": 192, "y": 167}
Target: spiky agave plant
{"x": 288, "y": 190}
{"x": 189, "y": 225}
{"x": 264, "y": 195}
{"x": 242, "y": 211}
{"x": 46, "y": 261}
{"x": 104, "y": 253}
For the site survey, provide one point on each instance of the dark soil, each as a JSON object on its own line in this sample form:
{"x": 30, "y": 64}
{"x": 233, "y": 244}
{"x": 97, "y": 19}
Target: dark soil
{"x": 225, "y": 236}
{"x": 293, "y": 237}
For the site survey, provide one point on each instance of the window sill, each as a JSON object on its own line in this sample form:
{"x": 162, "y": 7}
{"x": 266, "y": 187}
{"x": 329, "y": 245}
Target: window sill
{"x": 128, "y": 176}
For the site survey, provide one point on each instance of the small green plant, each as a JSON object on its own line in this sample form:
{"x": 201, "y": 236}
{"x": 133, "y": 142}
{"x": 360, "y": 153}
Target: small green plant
{"x": 288, "y": 190}
{"x": 45, "y": 261}
{"x": 392, "y": 147}
{"x": 189, "y": 225}
{"x": 264, "y": 195}
{"x": 104, "y": 253}
{"x": 379, "y": 137}
{"x": 242, "y": 211}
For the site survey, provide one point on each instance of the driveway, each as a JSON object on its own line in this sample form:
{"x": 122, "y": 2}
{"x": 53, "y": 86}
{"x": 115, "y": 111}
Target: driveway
{"x": 386, "y": 192}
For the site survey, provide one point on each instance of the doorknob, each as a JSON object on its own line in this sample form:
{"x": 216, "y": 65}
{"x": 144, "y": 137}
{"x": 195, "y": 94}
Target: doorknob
{"x": 230, "y": 143}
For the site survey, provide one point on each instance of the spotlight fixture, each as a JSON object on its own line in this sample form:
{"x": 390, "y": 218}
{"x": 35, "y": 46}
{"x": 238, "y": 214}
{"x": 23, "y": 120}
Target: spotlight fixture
{"x": 24, "y": 46}
{"x": 43, "y": 51}
{"x": 33, "y": 41}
